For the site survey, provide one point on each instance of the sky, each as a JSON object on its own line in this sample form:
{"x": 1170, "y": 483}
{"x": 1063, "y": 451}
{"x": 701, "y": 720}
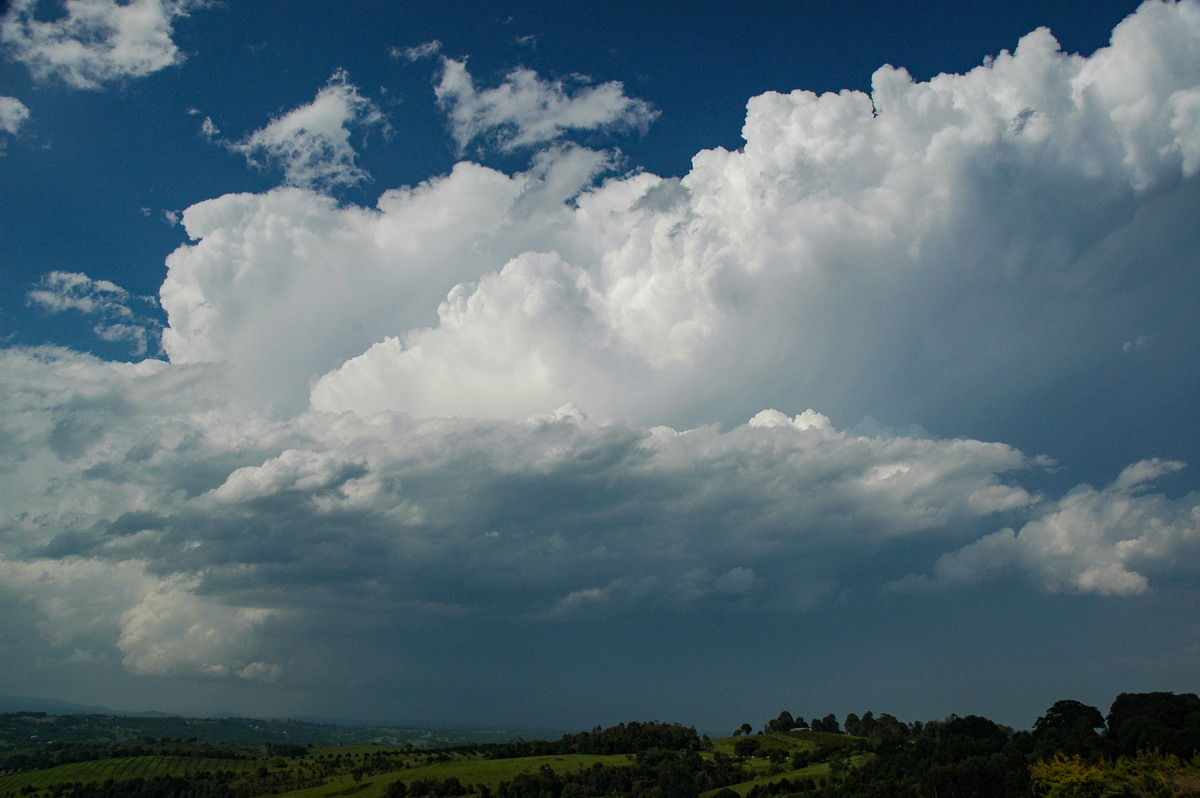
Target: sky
{"x": 542, "y": 365}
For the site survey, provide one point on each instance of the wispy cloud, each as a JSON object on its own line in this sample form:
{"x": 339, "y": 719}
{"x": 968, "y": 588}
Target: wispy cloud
{"x": 312, "y": 143}
{"x": 417, "y": 52}
{"x": 97, "y": 42}
{"x": 110, "y": 305}
{"x": 526, "y": 110}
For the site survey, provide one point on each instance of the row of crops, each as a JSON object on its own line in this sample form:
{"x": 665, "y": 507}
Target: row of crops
{"x": 123, "y": 769}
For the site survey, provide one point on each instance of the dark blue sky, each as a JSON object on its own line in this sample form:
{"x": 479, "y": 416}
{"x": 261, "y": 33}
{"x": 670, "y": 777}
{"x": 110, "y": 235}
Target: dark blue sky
{"x": 531, "y": 355}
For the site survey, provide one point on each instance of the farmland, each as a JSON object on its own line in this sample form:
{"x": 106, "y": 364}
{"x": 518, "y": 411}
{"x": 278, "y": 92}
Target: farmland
{"x": 1148, "y": 745}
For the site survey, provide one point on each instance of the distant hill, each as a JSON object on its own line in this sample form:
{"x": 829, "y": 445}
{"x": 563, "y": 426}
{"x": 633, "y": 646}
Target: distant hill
{"x": 57, "y": 724}
{"x": 12, "y": 703}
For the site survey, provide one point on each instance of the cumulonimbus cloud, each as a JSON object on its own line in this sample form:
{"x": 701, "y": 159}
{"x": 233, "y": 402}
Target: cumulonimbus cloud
{"x": 912, "y": 253}
{"x": 552, "y": 386}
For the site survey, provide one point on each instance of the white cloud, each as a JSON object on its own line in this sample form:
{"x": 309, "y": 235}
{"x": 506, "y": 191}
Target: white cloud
{"x": 13, "y": 115}
{"x": 97, "y": 41}
{"x": 87, "y": 607}
{"x": 312, "y": 143}
{"x": 293, "y": 470}
{"x": 526, "y": 110}
{"x": 934, "y": 252}
{"x": 323, "y": 283}
{"x": 1090, "y": 541}
{"x": 59, "y": 291}
{"x": 417, "y": 52}
{"x": 172, "y": 631}
{"x": 110, "y": 304}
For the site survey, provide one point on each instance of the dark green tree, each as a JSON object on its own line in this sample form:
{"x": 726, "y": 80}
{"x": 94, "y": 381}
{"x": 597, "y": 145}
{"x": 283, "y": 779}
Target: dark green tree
{"x": 1071, "y": 728}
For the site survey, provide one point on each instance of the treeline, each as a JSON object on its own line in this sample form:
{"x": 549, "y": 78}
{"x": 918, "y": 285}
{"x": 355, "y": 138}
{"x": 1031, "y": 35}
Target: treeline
{"x": 973, "y": 757}
{"x": 624, "y": 738}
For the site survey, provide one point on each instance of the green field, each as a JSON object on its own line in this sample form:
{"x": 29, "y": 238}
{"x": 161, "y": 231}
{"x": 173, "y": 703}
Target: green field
{"x": 368, "y": 770}
{"x": 469, "y": 771}
{"x": 123, "y": 769}
{"x": 335, "y": 764}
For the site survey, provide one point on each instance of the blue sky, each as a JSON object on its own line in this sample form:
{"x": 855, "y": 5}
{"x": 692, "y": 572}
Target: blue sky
{"x": 544, "y": 365}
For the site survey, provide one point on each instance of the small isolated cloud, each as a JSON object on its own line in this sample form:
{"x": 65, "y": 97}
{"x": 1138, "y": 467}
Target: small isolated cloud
{"x": 1136, "y": 343}
{"x": 526, "y": 110}
{"x": 98, "y": 41}
{"x": 13, "y": 114}
{"x": 109, "y": 303}
{"x": 312, "y": 143}
{"x": 417, "y": 52}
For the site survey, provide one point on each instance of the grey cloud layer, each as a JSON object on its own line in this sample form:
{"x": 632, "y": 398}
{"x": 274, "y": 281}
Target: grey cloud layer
{"x": 204, "y": 532}
{"x": 532, "y": 396}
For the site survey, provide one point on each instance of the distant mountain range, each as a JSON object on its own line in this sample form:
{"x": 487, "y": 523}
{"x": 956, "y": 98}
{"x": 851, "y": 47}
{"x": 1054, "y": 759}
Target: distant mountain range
{"x": 12, "y": 703}
{"x": 82, "y": 723}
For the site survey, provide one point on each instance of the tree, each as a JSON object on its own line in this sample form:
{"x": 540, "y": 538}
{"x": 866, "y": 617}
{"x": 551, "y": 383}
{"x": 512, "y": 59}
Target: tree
{"x": 1169, "y": 722}
{"x": 1070, "y": 715}
{"x": 829, "y": 723}
{"x": 1069, "y": 728}
{"x": 747, "y": 746}
{"x": 783, "y": 723}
